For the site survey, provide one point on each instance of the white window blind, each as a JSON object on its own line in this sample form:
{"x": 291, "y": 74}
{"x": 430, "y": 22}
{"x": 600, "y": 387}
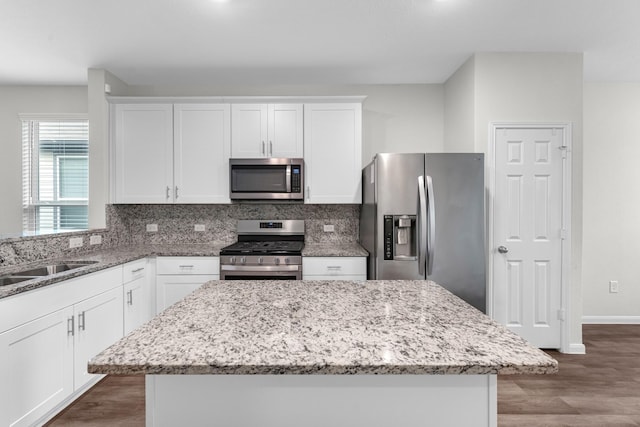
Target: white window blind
{"x": 55, "y": 175}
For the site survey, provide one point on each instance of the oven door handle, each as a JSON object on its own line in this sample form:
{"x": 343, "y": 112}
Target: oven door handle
{"x": 264, "y": 268}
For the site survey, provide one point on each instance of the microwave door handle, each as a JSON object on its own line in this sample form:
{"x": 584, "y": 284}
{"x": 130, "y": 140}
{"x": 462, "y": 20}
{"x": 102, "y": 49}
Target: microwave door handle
{"x": 288, "y": 179}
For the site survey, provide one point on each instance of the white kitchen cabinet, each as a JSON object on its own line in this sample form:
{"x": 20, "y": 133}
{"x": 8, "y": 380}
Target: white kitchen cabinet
{"x": 334, "y": 268}
{"x": 177, "y": 277}
{"x": 202, "y": 145}
{"x": 143, "y": 153}
{"x": 333, "y": 152}
{"x": 47, "y": 337}
{"x": 98, "y": 324}
{"x": 267, "y": 130}
{"x": 136, "y": 294}
{"x": 165, "y": 153}
{"x": 36, "y": 367}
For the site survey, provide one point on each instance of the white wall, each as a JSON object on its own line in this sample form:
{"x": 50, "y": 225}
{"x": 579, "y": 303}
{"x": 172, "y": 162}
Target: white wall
{"x": 15, "y": 100}
{"x": 396, "y": 118}
{"x": 460, "y": 109}
{"x": 611, "y": 214}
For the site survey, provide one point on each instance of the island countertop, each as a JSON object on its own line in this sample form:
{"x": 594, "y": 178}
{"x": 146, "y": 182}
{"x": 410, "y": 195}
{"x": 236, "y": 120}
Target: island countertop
{"x": 322, "y": 327}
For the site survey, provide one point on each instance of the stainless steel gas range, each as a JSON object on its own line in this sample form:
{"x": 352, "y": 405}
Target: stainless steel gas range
{"x": 266, "y": 249}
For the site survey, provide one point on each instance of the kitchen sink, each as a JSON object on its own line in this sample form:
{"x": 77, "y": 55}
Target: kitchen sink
{"x": 53, "y": 268}
{"x": 45, "y": 270}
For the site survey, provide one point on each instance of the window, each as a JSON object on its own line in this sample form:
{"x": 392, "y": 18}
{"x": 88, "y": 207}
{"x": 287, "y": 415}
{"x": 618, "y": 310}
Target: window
{"x": 55, "y": 175}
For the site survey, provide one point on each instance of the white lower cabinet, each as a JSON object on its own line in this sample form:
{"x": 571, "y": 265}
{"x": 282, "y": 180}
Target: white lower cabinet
{"x": 136, "y": 293}
{"x": 334, "y": 268}
{"x": 48, "y": 337}
{"x": 36, "y": 365}
{"x": 177, "y": 277}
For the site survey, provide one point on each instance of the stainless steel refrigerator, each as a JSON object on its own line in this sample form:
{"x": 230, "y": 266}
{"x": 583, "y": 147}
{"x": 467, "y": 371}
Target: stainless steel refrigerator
{"x": 423, "y": 216}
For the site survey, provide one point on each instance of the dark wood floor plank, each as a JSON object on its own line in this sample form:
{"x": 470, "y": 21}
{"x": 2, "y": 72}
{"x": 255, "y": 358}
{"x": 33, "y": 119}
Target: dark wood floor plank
{"x": 601, "y": 388}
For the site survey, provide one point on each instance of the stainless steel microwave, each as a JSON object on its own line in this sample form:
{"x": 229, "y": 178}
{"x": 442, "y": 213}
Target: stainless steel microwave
{"x": 266, "y": 179}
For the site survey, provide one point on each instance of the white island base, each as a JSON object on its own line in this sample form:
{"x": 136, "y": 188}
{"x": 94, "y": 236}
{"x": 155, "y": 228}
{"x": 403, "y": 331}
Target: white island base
{"x": 321, "y": 400}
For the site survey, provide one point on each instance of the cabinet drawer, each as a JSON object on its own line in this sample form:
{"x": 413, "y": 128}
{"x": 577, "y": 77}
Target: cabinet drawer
{"x": 188, "y": 265}
{"x": 334, "y": 266}
{"x": 134, "y": 270}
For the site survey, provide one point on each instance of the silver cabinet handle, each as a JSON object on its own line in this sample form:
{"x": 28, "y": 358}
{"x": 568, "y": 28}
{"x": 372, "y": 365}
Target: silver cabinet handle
{"x": 176, "y": 192}
{"x": 263, "y": 153}
{"x": 137, "y": 270}
{"x": 185, "y": 266}
{"x": 270, "y": 149}
{"x": 81, "y": 326}
{"x": 168, "y": 189}
{"x": 503, "y": 249}
{"x": 70, "y": 327}
{"x": 130, "y": 297}
{"x": 334, "y": 267}
{"x": 308, "y": 192}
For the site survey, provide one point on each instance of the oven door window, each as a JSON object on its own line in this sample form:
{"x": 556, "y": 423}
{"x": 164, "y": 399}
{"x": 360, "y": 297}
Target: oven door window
{"x": 259, "y": 179}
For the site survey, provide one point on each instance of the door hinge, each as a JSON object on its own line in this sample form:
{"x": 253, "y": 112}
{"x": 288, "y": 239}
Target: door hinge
{"x": 563, "y": 233}
{"x": 561, "y": 314}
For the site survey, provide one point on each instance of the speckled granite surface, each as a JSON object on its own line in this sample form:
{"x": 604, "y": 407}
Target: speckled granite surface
{"x": 321, "y": 327}
{"x": 337, "y": 249}
{"x": 104, "y": 259}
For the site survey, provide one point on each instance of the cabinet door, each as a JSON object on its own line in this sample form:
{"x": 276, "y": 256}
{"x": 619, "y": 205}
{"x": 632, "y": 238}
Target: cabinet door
{"x": 285, "y": 130}
{"x": 136, "y": 304}
{"x": 99, "y": 323}
{"x": 202, "y": 145}
{"x": 248, "y": 130}
{"x": 143, "y": 153}
{"x": 333, "y": 152}
{"x": 171, "y": 289}
{"x": 36, "y": 368}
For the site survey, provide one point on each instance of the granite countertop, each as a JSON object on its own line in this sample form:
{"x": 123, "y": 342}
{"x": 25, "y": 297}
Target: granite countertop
{"x": 322, "y": 327}
{"x": 122, "y": 254}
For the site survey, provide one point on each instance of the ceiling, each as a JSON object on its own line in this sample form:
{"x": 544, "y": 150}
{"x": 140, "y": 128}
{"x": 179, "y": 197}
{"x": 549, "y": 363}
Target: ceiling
{"x": 304, "y": 41}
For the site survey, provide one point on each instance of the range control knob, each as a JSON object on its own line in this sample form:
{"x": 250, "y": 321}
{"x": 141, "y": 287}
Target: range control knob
{"x": 277, "y": 261}
{"x": 243, "y": 260}
{"x": 232, "y": 260}
{"x": 260, "y": 260}
{"x": 286, "y": 261}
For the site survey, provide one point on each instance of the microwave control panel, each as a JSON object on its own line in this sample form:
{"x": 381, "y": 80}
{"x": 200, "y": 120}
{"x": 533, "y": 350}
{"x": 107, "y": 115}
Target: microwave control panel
{"x": 295, "y": 179}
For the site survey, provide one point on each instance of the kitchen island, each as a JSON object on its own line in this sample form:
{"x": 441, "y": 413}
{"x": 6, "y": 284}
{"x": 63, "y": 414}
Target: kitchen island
{"x": 317, "y": 353}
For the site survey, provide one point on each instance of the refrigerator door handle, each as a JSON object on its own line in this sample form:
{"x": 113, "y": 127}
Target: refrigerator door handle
{"x": 422, "y": 226}
{"x": 431, "y": 202}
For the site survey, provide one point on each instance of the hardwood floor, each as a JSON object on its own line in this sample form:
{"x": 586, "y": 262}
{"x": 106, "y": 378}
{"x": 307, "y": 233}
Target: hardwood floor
{"x": 601, "y": 388}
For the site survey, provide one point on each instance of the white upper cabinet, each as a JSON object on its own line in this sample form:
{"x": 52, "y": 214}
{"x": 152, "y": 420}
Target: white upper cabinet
{"x": 165, "y": 153}
{"x": 143, "y": 153}
{"x": 333, "y": 152}
{"x": 202, "y": 142}
{"x": 267, "y": 130}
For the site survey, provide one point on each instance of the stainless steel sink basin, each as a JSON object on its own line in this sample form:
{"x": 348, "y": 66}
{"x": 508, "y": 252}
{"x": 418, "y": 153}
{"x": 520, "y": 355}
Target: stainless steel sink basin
{"x": 53, "y": 269}
{"x": 41, "y": 271}
{"x": 10, "y": 280}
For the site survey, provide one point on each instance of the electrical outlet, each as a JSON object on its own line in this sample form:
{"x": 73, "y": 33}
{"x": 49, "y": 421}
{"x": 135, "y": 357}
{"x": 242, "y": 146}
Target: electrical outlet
{"x": 198, "y": 227}
{"x": 329, "y": 228}
{"x": 152, "y": 227}
{"x": 96, "y": 239}
{"x": 613, "y": 287}
{"x": 75, "y": 242}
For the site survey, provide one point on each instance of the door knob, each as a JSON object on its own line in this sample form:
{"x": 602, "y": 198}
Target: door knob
{"x": 503, "y": 249}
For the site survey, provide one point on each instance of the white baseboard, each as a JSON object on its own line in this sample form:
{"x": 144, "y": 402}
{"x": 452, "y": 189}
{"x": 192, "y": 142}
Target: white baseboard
{"x": 611, "y": 320}
{"x": 576, "y": 349}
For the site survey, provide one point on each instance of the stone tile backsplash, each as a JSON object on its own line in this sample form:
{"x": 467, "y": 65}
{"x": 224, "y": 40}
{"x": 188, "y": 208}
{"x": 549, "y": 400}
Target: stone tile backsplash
{"x": 127, "y": 224}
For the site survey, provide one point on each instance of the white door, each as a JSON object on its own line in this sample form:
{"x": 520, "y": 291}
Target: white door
{"x": 143, "y": 153}
{"x": 202, "y": 143}
{"x": 36, "y": 368}
{"x": 528, "y": 232}
{"x": 249, "y": 131}
{"x": 285, "y": 130}
{"x": 99, "y": 323}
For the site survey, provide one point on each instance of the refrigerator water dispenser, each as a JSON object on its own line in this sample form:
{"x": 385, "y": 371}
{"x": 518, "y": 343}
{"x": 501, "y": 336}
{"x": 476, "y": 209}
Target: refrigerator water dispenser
{"x": 399, "y": 237}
